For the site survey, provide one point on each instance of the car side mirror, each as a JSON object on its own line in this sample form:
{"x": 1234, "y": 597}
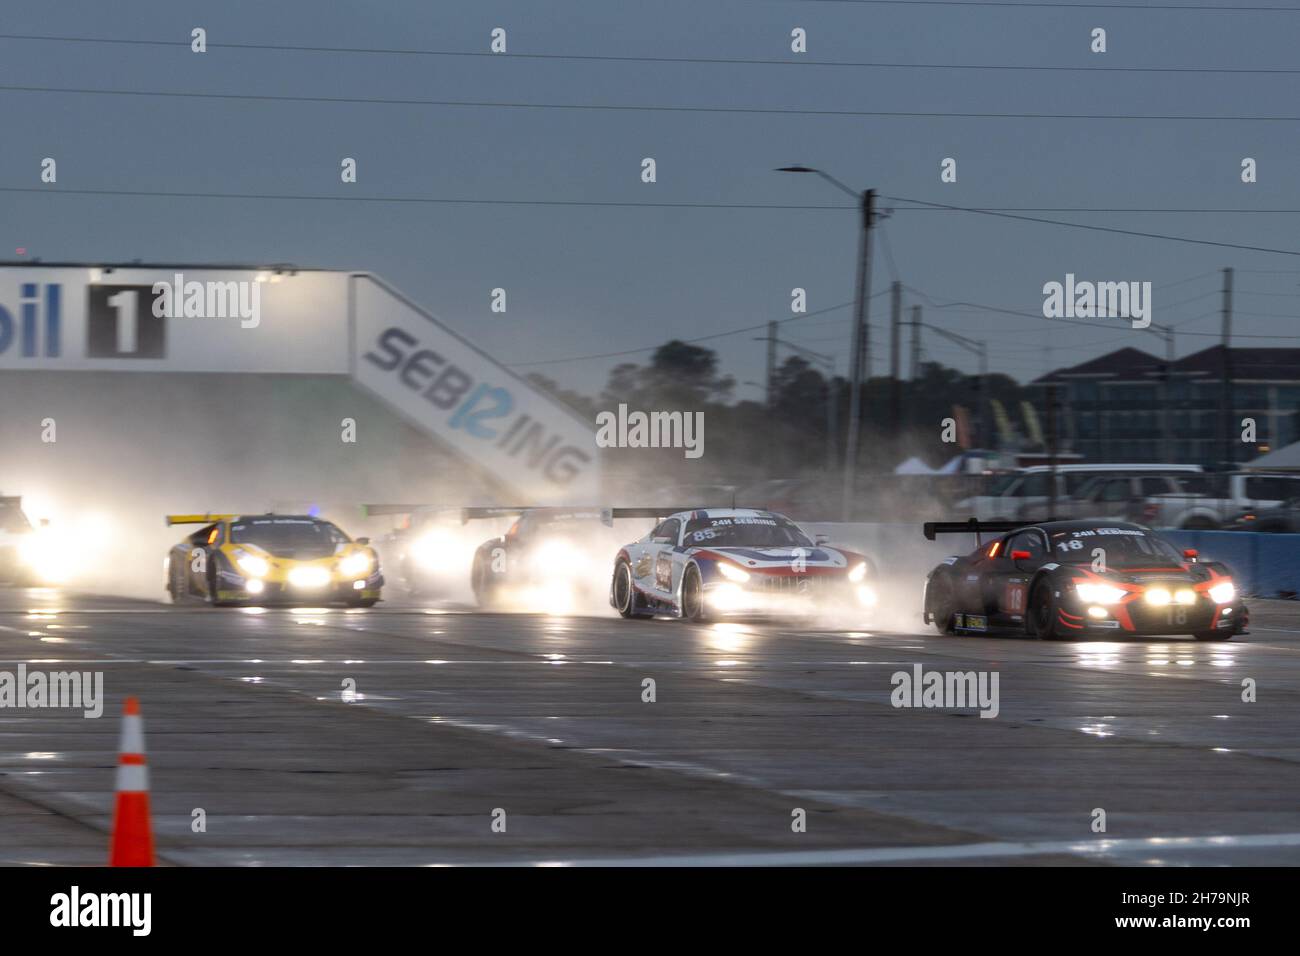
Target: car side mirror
{"x": 821, "y": 539}
{"x": 363, "y": 540}
{"x": 1191, "y": 554}
{"x": 1020, "y": 555}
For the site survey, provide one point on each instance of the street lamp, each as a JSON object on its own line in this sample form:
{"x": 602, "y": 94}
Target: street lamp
{"x": 859, "y": 347}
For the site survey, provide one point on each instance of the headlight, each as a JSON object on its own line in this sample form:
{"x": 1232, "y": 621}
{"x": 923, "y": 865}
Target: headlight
{"x": 1223, "y": 593}
{"x": 309, "y": 577}
{"x": 355, "y": 565}
{"x": 1158, "y": 596}
{"x": 1099, "y": 593}
{"x": 727, "y": 597}
{"x": 858, "y": 573}
{"x": 733, "y": 573}
{"x": 252, "y": 565}
{"x": 866, "y": 596}
{"x": 435, "y": 550}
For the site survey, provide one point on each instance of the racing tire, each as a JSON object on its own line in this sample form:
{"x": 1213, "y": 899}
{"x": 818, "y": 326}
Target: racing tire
{"x": 1040, "y": 618}
{"x": 363, "y": 602}
{"x": 1213, "y": 635}
{"x": 622, "y": 591}
{"x": 943, "y": 603}
{"x": 176, "y": 586}
{"x": 483, "y": 583}
{"x": 693, "y": 606}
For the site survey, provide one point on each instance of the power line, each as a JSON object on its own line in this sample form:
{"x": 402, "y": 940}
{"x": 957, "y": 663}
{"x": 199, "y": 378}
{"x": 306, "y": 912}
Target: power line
{"x": 641, "y": 108}
{"x": 1092, "y": 228}
{"x": 444, "y": 200}
{"x": 1086, "y": 322}
{"x": 1038, "y": 4}
{"x": 624, "y": 58}
{"x": 433, "y": 200}
{"x": 651, "y": 348}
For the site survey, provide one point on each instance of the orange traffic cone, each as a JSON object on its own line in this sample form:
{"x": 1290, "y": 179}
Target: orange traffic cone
{"x": 132, "y": 836}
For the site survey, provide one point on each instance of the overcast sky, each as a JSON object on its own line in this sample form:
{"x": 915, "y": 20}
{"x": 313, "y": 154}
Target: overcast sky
{"x": 594, "y": 279}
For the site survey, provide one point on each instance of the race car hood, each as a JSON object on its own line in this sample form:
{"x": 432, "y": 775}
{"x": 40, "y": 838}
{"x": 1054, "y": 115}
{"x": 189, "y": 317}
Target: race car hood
{"x": 779, "y": 559}
{"x": 1192, "y": 574}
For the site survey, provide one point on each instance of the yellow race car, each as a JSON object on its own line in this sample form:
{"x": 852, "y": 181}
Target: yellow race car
{"x": 271, "y": 559}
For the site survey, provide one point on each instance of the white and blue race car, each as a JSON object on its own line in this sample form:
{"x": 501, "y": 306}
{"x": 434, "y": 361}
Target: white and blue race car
{"x": 728, "y": 562}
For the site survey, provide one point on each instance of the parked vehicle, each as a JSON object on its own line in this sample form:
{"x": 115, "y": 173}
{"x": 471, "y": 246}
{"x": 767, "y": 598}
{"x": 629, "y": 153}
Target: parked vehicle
{"x": 1028, "y": 495}
{"x": 1131, "y": 497}
{"x": 1219, "y": 500}
{"x": 1283, "y": 518}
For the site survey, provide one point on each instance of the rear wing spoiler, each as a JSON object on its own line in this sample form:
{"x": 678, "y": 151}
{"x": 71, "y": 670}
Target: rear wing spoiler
{"x": 196, "y": 519}
{"x": 606, "y": 515}
{"x": 973, "y": 526}
{"x": 370, "y": 511}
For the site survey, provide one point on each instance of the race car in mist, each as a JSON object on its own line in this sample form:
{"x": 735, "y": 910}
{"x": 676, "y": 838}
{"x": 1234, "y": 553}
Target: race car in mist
{"x": 1089, "y": 579}
{"x": 26, "y": 553}
{"x": 541, "y": 562}
{"x": 271, "y": 559}
{"x": 720, "y": 562}
{"x": 429, "y": 552}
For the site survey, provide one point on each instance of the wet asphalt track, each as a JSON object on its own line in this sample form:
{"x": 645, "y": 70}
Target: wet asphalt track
{"x": 456, "y": 714}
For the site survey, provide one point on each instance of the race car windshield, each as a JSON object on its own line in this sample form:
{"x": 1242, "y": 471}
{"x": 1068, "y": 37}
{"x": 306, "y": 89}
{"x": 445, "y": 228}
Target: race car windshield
{"x": 757, "y": 532}
{"x": 286, "y": 538}
{"x": 1123, "y": 548}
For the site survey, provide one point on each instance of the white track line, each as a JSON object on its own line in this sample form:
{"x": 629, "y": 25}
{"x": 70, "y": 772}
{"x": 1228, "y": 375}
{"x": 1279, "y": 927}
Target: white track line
{"x": 909, "y": 854}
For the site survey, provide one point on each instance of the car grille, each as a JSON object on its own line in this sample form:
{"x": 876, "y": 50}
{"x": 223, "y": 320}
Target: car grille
{"x": 792, "y": 583}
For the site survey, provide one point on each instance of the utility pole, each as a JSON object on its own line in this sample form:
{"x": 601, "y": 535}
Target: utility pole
{"x": 771, "y": 366}
{"x": 860, "y": 350}
{"x": 1226, "y": 402}
{"x": 1051, "y": 450}
{"x": 861, "y": 357}
{"x": 916, "y": 342}
{"x": 895, "y": 330}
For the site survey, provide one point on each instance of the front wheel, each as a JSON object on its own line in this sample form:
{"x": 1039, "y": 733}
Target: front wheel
{"x": 693, "y": 608}
{"x": 1213, "y": 635}
{"x": 1040, "y": 620}
{"x": 363, "y": 602}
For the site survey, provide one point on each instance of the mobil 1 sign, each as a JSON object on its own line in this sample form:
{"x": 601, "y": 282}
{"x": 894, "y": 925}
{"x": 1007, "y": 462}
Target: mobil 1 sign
{"x": 526, "y": 439}
{"x": 172, "y": 319}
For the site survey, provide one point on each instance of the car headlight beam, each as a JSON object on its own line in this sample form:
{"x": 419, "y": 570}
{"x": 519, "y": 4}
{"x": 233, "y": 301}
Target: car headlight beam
{"x": 355, "y": 565}
{"x": 1223, "y": 593}
{"x": 253, "y": 566}
{"x": 858, "y": 573}
{"x": 733, "y": 573}
{"x": 1091, "y": 593}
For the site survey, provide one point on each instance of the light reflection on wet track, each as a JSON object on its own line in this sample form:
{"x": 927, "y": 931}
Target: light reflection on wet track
{"x": 250, "y": 715}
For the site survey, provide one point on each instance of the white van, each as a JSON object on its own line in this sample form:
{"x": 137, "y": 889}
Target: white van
{"x": 1026, "y": 495}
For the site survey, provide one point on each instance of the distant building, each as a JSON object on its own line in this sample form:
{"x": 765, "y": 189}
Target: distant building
{"x": 1125, "y": 406}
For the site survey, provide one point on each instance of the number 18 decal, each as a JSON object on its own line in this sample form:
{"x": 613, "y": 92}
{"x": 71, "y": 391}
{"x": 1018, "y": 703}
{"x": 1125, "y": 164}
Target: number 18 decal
{"x": 1013, "y": 598}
